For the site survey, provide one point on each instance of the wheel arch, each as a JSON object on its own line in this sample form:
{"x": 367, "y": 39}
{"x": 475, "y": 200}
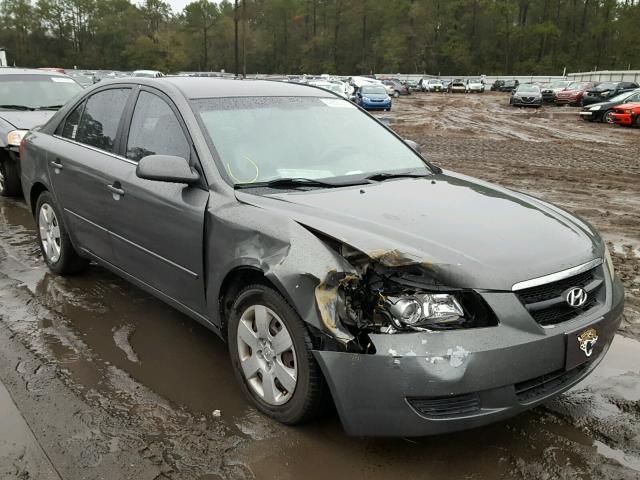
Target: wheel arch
{"x": 36, "y": 190}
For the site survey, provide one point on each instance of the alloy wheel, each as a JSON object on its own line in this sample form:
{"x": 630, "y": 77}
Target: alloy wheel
{"x": 49, "y": 233}
{"x": 267, "y": 355}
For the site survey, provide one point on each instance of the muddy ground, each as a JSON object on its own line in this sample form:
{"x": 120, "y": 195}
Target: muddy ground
{"x": 113, "y": 384}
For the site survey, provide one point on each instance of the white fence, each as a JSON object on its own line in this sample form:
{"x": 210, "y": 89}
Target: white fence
{"x": 607, "y": 76}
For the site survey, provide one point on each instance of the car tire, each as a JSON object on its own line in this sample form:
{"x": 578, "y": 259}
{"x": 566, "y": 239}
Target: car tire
{"x": 396, "y": 94}
{"x": 606, "y": 117}
{"x": 53, "y": 238}
{"x": 272, "y": 398}
{"x": 9, "y": 178}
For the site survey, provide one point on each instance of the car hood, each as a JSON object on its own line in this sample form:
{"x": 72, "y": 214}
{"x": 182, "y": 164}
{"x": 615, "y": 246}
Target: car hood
{"x": 469, "y": 233}
{"x": 376, "y": 96}
{"x": 26, "y": 120}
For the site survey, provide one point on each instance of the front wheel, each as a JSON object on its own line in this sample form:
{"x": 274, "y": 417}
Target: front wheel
{"x": 270, "y": 350}
{"x": 9, "y": 178}
{"x": 607, "y": 117}
{"x": 396, "y": 94}
{"x": 55, "y": 244}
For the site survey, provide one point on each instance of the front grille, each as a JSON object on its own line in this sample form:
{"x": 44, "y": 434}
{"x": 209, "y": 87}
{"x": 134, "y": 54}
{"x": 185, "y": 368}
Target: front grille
{"x": 454, "y": 406}
{"x": 531, "y": 390}
{"x": 547, "y": 305}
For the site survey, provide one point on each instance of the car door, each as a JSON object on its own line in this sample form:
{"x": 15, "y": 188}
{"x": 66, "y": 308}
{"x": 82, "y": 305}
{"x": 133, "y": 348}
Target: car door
{"x": 158, "y": 230}
{"x": 79, "y": 164}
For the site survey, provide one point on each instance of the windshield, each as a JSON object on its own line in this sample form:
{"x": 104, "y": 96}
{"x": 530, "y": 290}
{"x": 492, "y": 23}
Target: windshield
{"x": 528, "y": 89}
{"x": 435, "y": 82}
{"x": 261, "y": 139}
{"x": 622, "y": 97}
{"x": 35, "y": 91}
{"x": 559, "y": 84}
{"x": 605, "y": 86}
{"x": 374, "y": 89}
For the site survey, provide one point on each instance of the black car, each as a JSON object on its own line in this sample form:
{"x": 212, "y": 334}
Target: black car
{"x": 606, "y": 90}
{"x": 495, "y": 87}
{"x": 28, "y": 98}
{"x": 509, "y": 86}
{"x": 601, "y": 112}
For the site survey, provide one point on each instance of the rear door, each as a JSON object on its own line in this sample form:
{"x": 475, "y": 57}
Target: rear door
{"x": 79, "y": 162}
{"x": 159, "y": 227}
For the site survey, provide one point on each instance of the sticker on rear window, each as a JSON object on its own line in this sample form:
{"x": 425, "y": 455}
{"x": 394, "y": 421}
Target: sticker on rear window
{"x": 335, "y": 102}
{"x": 62, "y": 80}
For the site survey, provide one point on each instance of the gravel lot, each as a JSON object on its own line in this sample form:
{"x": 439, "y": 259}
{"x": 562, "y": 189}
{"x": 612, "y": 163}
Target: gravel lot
{"x": 114, "y": 384}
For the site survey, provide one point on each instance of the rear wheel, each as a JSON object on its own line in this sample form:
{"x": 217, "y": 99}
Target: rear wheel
{"x": 9, "y": 177}
{"x": 55, "y": 245}
{"x": 270, "y": 350}
{"x": 396, "y": 94}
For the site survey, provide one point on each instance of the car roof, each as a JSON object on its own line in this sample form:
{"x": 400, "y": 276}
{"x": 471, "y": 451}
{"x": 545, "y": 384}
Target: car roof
{"x": 29, "y": 71}
{"x": 209, "y": 87}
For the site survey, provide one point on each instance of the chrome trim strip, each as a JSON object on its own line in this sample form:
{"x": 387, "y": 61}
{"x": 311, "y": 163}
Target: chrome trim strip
{"x": 554, "y": 277}
{"x": 139, "y": 247}
{"x": 113, "y": 155}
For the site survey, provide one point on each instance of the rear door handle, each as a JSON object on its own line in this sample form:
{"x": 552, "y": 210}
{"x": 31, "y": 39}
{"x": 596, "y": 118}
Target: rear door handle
{"x": 115, "y": 189}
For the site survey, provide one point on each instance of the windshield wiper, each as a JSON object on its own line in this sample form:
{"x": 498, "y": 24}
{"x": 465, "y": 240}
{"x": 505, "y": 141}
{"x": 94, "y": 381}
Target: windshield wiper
{"x": 382, "y": 176}
{"x": 49, "y": 107}
{"x": 16, "y": 107}
{"x": 294, "y": 183}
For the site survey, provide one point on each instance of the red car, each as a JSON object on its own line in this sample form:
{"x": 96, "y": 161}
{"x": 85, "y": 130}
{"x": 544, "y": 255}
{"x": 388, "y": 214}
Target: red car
{"x": 627, "y": 114}
{"x": 572, "y": 95}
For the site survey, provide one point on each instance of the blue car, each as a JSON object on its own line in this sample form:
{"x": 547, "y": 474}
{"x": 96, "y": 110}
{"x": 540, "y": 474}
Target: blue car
{"x": 373, "y": 97}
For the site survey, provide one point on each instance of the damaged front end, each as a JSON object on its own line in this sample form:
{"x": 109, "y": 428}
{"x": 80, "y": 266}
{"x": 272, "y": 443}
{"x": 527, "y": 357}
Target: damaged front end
{"x": 392, "y": 293}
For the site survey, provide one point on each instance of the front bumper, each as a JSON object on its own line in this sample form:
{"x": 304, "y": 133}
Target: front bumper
{"x": 428, "y": 383}
{"x": 567, "y": 100}
{"x": 519, "y": 102}
{"x": 623, "y": 118}
{"x": 376, "y": 105}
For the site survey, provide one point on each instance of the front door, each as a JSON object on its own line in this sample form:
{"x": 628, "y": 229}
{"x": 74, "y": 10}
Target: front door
{"x": 159, "y": 229}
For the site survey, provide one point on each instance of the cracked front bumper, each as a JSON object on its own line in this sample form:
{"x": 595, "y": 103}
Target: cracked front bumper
{"x": 427, "y": 383}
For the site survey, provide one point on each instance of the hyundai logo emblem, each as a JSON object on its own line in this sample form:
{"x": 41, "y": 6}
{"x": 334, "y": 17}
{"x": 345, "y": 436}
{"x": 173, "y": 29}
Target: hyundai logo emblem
{"x": 576, "y": 297}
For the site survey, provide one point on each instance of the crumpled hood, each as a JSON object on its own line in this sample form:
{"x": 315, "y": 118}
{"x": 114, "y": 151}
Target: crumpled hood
{"x": 26, "y": 120}
{"x": 471, "y": 233}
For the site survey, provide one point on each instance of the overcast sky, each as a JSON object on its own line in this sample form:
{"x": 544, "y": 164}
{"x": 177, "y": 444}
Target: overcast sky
{"x": 178, "y": 5}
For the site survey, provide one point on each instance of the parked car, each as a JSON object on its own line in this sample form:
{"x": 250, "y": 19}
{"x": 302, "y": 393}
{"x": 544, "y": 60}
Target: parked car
{"x": 475, "y": 85}
{"x": 434, "y": 85}
{"x": 305, "y": 255}
{"x": 457, "y": 85}
{"x": 83, "y": 79}
{"x": 526, "y": 95}
{"x": 602, "y": 112}
{"x": 573, "y": 93}
{"x": 147, "y": 74}
{"x": 627, "y": 114}
{"x": 509, "y": 86}
{"x": 397, "y": 87}
{"x": 330, "y": 86}
{"x": 28, "y": 98}
{"x": 495, "y": 86}
{"x": 412, "y": 85}
{"x": 373, "y": 97}
{"x": 607, "y": 90}
{"x": 549, "y": 92}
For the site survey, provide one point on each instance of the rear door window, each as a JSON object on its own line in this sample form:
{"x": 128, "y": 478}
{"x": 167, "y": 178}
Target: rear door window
{"x": 155, "y": 130}
{"x": 101, "y": 117}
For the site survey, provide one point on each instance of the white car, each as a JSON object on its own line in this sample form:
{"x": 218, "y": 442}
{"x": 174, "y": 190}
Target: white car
{"x": 147, "y": 73}
{"x": 335, "y": 87}
{"x": 475, "y": 85}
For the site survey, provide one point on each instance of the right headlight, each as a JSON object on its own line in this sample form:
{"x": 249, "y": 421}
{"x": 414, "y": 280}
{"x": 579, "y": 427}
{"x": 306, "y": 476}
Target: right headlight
{"x": 425, "y": 309}
{"x": 594, "y": 108}
{"x": 609, "y": 262}
{"x": 366, "y": 99}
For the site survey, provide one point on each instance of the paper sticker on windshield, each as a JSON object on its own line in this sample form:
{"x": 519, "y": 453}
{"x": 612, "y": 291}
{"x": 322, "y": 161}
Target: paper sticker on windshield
{"x": 62, "y": 80}
{"x": 336, "y": 102}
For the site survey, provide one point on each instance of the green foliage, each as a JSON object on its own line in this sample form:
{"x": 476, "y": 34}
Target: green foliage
{"x": 455, "y": 37}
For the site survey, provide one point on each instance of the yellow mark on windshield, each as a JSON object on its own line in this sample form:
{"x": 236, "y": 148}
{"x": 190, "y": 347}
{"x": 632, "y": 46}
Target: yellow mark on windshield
{"x": 236, "y": 179}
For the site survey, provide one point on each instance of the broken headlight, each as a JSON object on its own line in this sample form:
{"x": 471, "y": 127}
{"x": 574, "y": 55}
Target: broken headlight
{"x": 424, "y": 309}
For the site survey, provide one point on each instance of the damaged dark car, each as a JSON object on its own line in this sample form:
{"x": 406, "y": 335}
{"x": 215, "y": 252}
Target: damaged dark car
{"x": 334, "y": 260}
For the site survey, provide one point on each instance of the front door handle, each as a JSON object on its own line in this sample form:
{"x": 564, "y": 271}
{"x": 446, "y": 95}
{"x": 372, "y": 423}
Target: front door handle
{"x": 56, "y": 164}
{"x": 115, "y": 189}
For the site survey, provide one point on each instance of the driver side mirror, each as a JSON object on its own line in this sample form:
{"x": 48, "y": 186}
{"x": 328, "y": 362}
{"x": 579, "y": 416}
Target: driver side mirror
{"x": 413, "y": 145}
{"x": 166, "y": 168}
